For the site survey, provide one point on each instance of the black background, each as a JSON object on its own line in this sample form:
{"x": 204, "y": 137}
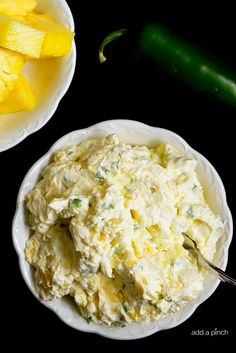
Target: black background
{"x": 123, "y": 89}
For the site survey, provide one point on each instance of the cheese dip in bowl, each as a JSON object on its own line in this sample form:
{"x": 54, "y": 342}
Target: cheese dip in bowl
{"x": 107, "y": 218}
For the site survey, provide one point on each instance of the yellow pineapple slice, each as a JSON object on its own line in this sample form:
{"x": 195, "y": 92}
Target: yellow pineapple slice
{"x": 58, "y": 39}
{"x": 10, "y": 67}
{"x": 35, "y": 35}
{"x": 19, "y": 37}
{"x": 20, "y": 98}
{"x": 16, "y": 7}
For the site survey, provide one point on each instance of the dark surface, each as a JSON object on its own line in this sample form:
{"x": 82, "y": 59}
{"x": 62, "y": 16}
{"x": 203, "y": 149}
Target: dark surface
{"x": 124, "y": 89}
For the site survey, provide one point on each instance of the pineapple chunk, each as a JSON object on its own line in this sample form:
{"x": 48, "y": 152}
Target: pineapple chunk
{"x": 16, "y": 7}
{"x": 10, "y": 68}
{"x": 58, "y": 39}
{"x": 20, "y": 98}
{"x": 35, "y": 35}
{"x": 20, "y": 37}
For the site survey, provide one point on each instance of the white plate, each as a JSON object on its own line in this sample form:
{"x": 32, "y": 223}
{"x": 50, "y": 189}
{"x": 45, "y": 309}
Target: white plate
{"x": 50, "y": 79}
{"x": 135, "y": 133}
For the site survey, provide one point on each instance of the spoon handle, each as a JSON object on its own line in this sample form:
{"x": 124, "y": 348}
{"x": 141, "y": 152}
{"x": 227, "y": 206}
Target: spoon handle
{"x": 215, "y": 270}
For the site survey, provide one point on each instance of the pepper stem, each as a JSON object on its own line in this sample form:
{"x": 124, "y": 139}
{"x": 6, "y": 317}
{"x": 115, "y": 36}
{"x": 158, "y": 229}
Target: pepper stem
{"x": 109, "y": 38}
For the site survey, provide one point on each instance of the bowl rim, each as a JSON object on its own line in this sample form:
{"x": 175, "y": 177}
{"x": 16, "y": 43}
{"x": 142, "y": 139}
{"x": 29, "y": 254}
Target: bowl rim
{"x": 36, "y": 165}
{"x": 29, "y": 130}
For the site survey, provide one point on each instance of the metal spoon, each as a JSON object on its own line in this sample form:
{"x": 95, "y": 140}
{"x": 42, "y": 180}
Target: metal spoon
{"x": 191, "y": 245}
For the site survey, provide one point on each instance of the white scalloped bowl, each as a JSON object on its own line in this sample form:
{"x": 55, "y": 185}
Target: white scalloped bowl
{"x": 50, "y": 79}
{"x": 132, "y": 132}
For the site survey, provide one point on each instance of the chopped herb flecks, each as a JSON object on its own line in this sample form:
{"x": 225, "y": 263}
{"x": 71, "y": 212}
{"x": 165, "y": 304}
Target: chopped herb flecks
{"x": 105, "y": 169}
{"x": 190, "y": 212}
{"x": 168, "y": 300}
{"x": 108, "y": 206}
{"x": 75, "y": 203}
{"x": 126, "y": 307}
{"x": 66, "y": 182}
{"x": 140, "y": 267}
{"x": 116, "y": 164}
{"x": 99, "y": 176}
